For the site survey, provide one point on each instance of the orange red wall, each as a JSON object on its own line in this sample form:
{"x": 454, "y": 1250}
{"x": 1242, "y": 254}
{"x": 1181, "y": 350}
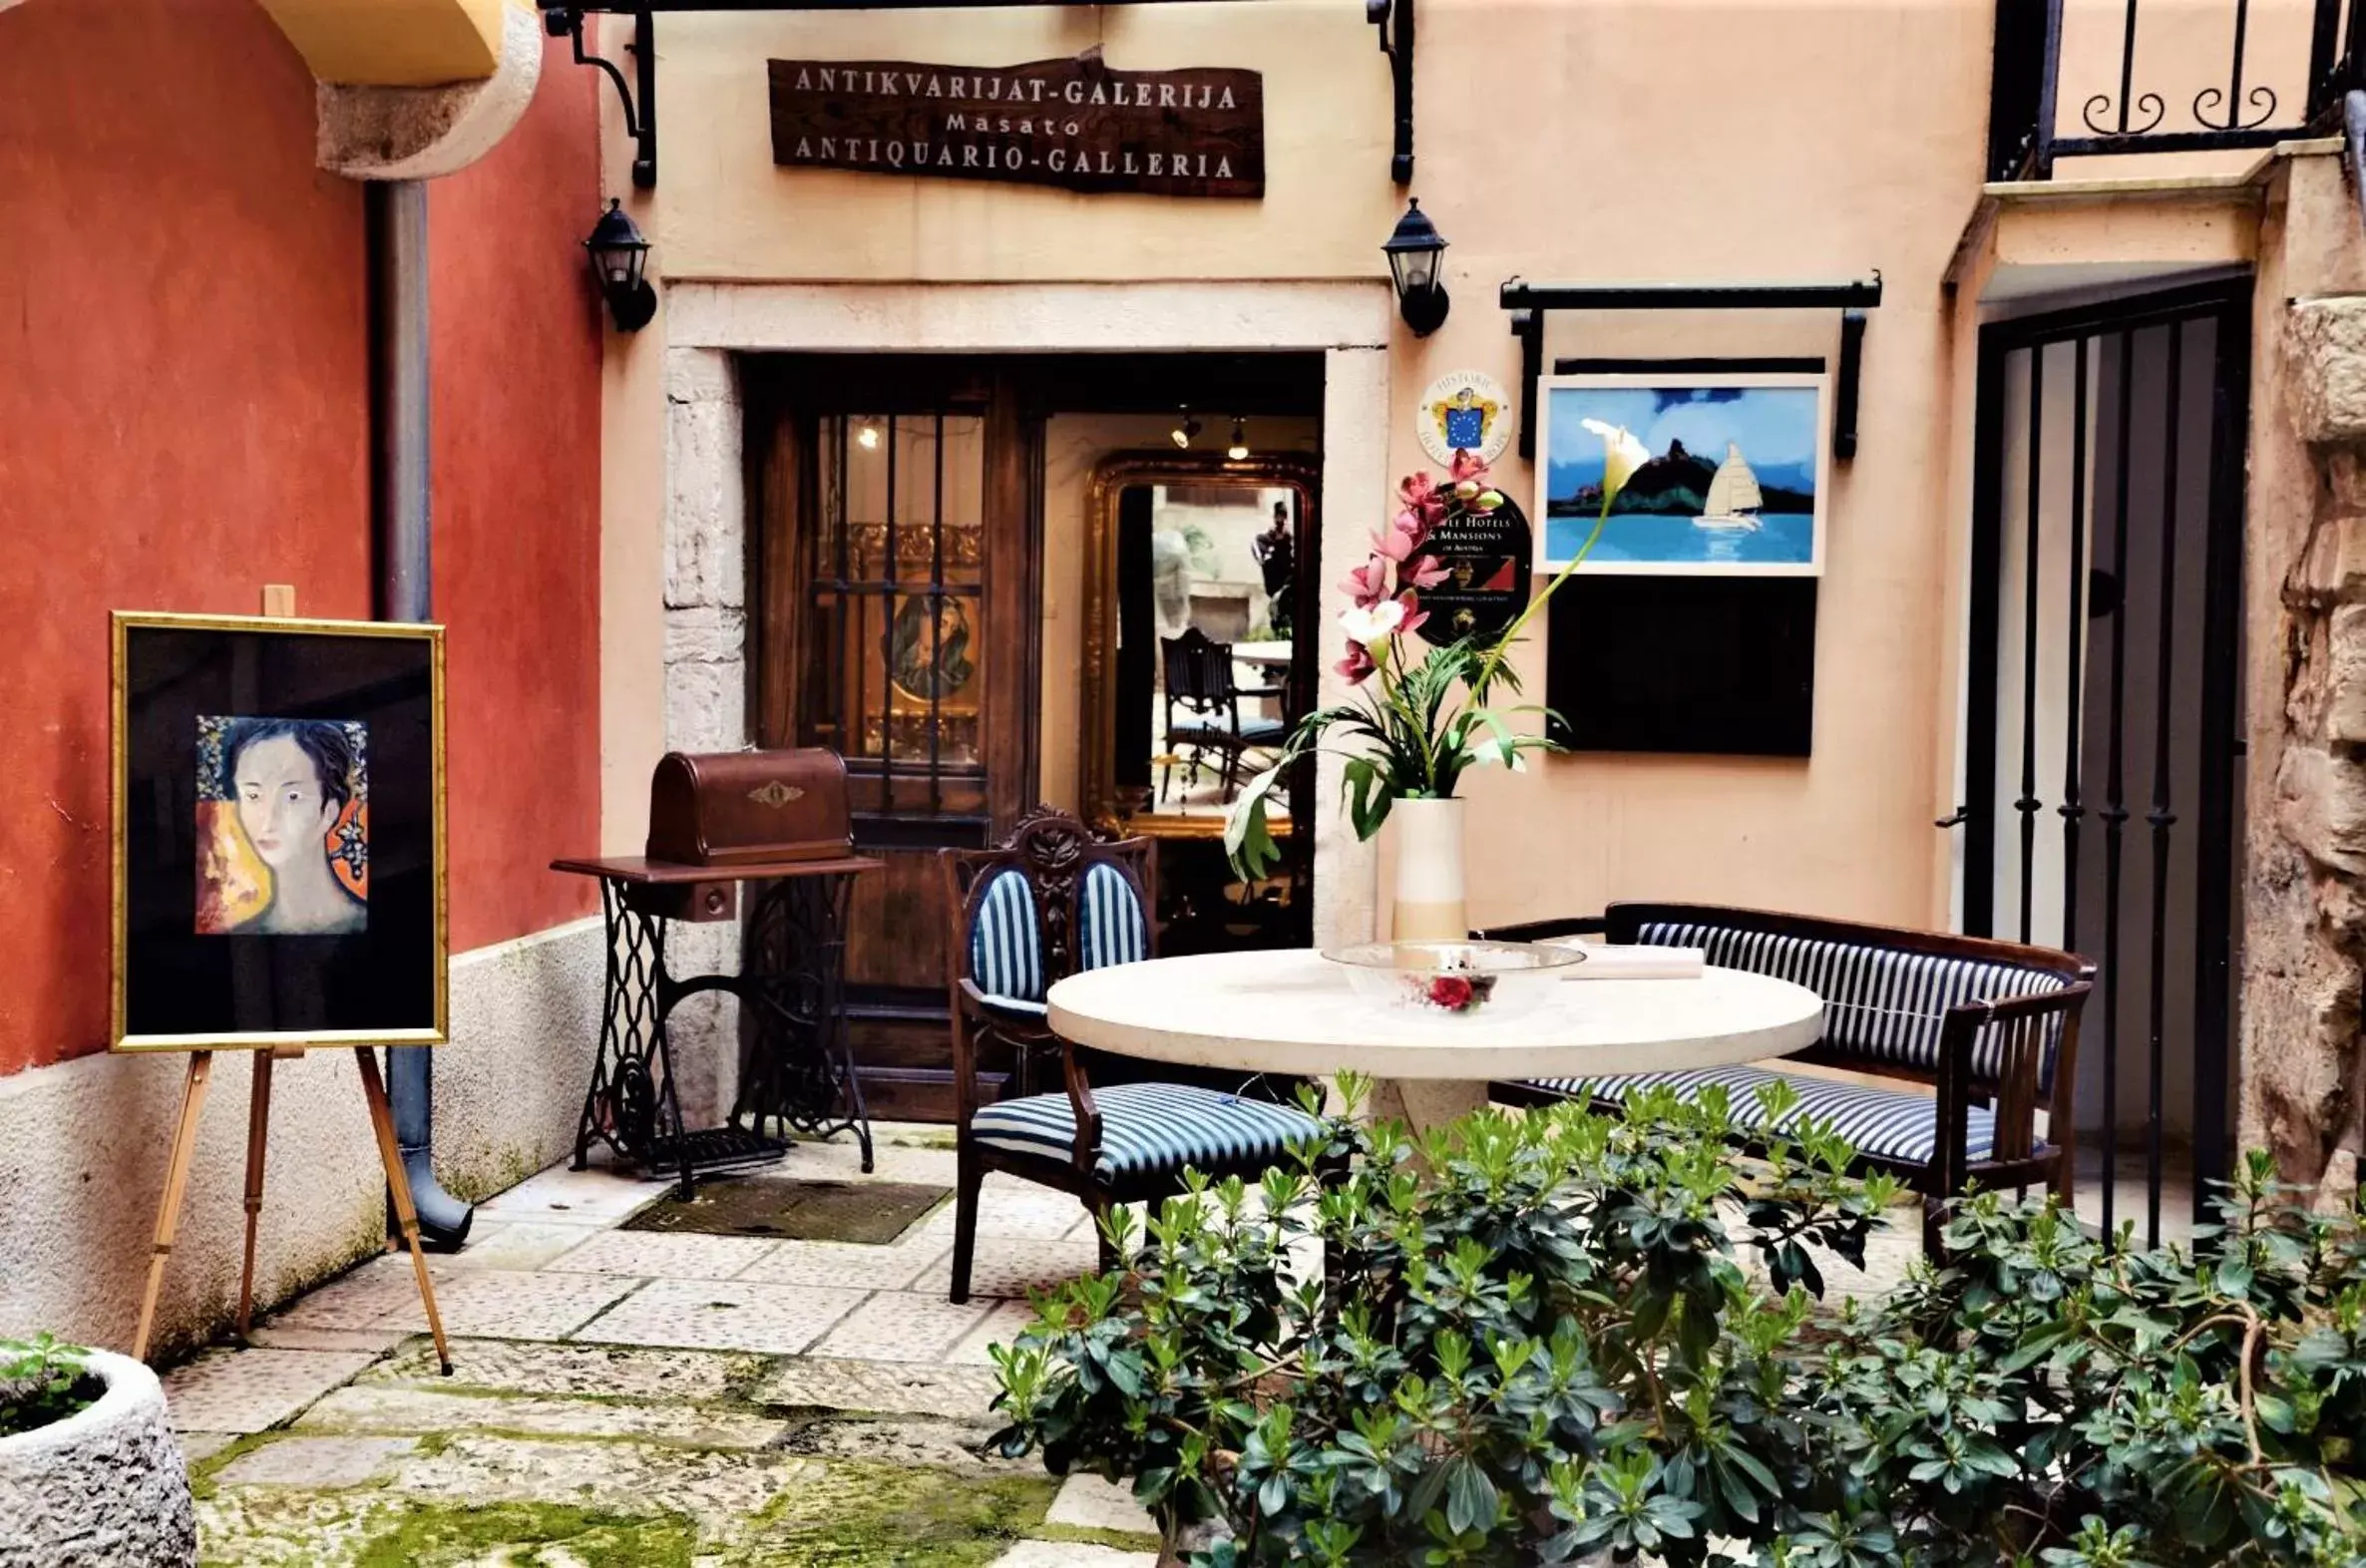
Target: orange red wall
{"x": 184, "y": 417}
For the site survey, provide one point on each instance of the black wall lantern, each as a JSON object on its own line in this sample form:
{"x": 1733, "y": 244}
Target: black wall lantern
{"x": 1416, "y": 254}
{"x": 618, "y": 253}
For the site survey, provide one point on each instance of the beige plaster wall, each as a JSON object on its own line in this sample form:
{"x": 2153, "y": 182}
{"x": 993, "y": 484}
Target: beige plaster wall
{"x": 1548, "y": 146}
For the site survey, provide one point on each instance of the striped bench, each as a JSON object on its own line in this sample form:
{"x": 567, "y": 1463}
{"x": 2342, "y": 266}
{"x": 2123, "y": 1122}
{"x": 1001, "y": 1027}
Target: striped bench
{"x": 1978, "y": 1035}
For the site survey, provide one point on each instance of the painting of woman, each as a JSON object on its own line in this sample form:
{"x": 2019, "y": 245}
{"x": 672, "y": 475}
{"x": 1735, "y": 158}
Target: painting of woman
{"x": 283, "y": 827}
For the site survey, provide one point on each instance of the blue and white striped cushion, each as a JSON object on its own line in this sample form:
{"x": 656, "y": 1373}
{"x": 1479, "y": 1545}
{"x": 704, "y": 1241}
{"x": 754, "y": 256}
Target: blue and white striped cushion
{"x": 1878, "y": 1003}
{"x": 1109, "y": 924}
{"x": 1151, "y": 1127}
{"x": 1904, "y": 1127}
{"x": 1005, "y": 947}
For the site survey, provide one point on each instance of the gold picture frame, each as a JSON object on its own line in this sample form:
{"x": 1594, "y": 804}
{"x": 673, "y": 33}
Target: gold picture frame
{"x": 142, "y": 904}
{"x": 1298, "y": 472}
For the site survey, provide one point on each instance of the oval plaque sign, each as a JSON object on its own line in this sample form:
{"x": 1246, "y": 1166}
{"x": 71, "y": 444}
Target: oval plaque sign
{"x": 1466, "y": 411}
{"x": 1488, "y": 557}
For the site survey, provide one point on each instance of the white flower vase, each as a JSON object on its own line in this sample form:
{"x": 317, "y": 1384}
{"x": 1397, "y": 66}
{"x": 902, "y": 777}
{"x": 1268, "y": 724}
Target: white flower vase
{"x": 1429, "y": 901}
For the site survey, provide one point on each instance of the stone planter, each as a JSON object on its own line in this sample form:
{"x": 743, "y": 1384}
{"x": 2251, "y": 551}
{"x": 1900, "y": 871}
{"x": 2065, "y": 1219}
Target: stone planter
{"x": 105, "y": 1485}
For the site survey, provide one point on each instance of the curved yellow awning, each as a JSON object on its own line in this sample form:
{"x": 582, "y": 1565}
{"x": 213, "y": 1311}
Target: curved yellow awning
{"x": 394, "y": 42}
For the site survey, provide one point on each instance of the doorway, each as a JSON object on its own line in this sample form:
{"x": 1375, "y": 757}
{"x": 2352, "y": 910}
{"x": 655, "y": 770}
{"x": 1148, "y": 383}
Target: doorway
{"x": 924, "y": 610}
{"x": 2101, "y": 799}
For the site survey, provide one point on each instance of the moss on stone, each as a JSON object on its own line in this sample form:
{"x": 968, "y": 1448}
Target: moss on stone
{"x": 427, "y": 1537}
{"x": 866, "y": 1515}
{"x": 1086, "y": 1535}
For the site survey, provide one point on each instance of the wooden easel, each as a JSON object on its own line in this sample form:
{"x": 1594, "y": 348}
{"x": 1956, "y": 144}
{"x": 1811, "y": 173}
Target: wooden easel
{"x": 279, "y": 599}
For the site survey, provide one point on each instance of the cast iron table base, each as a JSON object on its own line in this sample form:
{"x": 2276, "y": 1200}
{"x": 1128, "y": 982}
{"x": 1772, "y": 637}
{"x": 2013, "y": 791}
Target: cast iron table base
{"x": 799, "y": 1072}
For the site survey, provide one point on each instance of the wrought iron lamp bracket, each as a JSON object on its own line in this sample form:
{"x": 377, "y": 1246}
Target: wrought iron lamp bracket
{"x": 1395, "y": 20}
{"x": 563, "y": 19}
{"x": 1531, "y": 304}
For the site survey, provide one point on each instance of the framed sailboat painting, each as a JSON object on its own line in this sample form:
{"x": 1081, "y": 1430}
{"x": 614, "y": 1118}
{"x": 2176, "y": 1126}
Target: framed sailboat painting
{"x": 1735, "y": 486}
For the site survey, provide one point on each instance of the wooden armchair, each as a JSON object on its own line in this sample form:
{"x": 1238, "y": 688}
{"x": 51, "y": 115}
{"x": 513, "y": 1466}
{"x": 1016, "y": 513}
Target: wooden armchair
{"x": 1049, "y": 902}
{"x": 1992, "y": 1027}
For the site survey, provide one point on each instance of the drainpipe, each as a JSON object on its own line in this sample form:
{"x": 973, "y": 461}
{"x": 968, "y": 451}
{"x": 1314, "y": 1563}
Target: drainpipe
{"x": 396, "y": 212}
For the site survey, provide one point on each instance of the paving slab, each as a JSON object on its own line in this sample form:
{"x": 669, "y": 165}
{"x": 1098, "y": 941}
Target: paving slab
{"x": 846, "y": 1264}
{"x": 951, "y": 1446}
{"x": 379, "y": 1408}
{"x": 1011, "y": 1268}
{"x": 520, "y": 1366}
{"x": 625, "y": 1477}
{"x": 319, "y": 1463}
{"x": 1003, "y": 1325}
{"x": 506, "y": 1304}
{"x": 560, "y": 1196}
{"x": 651, "y": 1254}
{"x": 1088, "y": 1503}
{"x": 197, "y": 1447}
{"x": 359, "y": 1299}
{"x": 724, "y": 1314}
{"x": 903, "y": 1325}
{"x": 1072, "y": 1554}
{"x": 523, "y": 1244}
{"x": 270, "y": 1337}
{"x": 961, "y": 1392}
{"x": 226, "y": 1391}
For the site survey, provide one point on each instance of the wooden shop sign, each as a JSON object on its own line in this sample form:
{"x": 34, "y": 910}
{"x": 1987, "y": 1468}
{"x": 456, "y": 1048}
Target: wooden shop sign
{"x": 1074, "y": 124}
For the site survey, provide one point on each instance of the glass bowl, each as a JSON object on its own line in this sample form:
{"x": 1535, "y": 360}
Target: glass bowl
{"x": 1454, "y": 980}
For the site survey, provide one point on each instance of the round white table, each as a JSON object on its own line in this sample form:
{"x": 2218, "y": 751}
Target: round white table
{"x": 1292, "y": 1012}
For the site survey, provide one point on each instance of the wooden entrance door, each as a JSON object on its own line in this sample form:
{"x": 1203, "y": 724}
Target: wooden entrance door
{"x": 897, "y": 574}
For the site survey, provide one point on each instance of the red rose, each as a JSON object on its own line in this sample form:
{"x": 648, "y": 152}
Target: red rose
{"x": 1450, "y": 991}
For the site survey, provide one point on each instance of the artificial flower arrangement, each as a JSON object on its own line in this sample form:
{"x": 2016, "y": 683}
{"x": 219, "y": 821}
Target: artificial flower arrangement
{"x": 1419, "y": 733}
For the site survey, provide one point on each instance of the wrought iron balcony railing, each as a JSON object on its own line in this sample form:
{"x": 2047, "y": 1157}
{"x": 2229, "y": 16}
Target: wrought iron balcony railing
{"x": 2172, "y": 76}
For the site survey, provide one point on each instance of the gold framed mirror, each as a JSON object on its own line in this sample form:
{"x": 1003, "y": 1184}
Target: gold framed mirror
{"x": 1199, "y": 644}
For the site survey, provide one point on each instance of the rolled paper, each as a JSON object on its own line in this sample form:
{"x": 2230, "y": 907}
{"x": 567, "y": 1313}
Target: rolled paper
{"x": 1605, "y": 960}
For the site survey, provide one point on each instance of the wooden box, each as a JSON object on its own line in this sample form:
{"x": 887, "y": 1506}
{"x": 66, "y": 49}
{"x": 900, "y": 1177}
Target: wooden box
{"x": 745, "y": 808}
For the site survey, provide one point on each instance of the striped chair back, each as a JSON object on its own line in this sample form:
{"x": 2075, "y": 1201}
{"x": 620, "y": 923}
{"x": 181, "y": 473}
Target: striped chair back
{"x": 1007, "y": 939}
{"x": 1883, "y": 1004}
{"x": 1110, "y": 925}
{"x": 1050, "y": 901}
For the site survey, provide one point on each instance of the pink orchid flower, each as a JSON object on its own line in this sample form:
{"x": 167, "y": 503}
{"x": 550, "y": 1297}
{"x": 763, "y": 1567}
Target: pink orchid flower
{"x": 1412, "y": 617}
{"x": 1367, "y": 585}
{"x": 1357, "y": 666}
{"x": 1468, "y": 465}
{"x": 1423, "y": 572}
{"x": 1394, "y": 544}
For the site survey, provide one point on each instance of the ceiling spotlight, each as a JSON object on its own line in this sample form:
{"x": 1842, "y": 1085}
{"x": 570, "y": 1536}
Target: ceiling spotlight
{"x": 1239, "y": 450}
{"x": 1186, "y": 427}
{"x": 868, "y": 437}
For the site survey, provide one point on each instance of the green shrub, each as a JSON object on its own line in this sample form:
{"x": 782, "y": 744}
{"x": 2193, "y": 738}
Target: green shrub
{"x": 1535, "y": 1345}
{"x": 42, "y": 1382}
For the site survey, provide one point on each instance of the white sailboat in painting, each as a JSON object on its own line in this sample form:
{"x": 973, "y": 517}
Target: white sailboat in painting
{"x": 1733, "y": 497}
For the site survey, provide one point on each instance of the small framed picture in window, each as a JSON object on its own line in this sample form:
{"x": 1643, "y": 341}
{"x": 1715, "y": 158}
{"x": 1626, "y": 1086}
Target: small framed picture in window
{"x": 278, "y": 833}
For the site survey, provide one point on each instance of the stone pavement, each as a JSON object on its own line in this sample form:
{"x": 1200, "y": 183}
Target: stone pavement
{"x": 637, "y": 1399}
{"x": 645, "y": 1400}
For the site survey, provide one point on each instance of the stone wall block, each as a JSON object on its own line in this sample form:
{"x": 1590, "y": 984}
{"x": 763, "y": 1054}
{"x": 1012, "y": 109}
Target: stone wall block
{"x": 705, "y": 634}
{"x": 2334, "y": 565}
{"x": 2326, "y": 344}
{"x": 706, "y": 706}
{"x": 706, "y": 523}
{"x": 2321, "y": 804}
{"x": 2344, "y": 715}
{"x": 700, "y": 375}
